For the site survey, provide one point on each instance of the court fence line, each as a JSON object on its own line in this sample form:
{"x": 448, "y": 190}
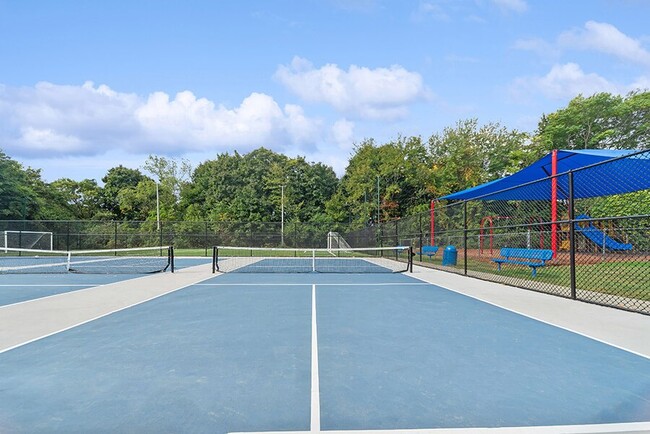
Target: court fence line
{"x": 601, "y": 248}
{"x": 599, "y": 245}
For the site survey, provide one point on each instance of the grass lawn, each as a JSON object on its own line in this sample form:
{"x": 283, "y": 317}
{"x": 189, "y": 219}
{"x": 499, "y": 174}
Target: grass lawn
{"x": 627, "y": 279}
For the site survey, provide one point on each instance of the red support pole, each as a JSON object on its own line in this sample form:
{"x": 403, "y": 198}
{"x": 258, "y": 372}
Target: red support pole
{"x": 433, "y": 222}
{"x": 554, "y": 202}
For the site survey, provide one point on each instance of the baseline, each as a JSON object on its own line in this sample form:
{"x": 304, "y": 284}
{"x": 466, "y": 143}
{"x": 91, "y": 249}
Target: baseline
{"x": 621, "y": 428}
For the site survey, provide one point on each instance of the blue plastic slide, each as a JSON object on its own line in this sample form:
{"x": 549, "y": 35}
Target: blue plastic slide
{"x": 599, "y": 237}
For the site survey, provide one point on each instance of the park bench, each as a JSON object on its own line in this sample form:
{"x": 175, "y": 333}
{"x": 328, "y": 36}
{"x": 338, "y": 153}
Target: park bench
{"x": 534, "y": 258}
{"x": 430, "y": 251}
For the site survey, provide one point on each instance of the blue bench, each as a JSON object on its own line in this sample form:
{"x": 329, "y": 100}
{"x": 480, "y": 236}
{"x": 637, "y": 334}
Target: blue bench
{"x": 534, "y": 258}
{"x": 430, "y": 251}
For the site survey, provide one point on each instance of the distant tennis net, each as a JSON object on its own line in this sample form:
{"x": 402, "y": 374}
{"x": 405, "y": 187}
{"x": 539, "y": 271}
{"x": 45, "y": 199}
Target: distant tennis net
{"x": 282, "y": 260}
{"x": 107, "y": 261}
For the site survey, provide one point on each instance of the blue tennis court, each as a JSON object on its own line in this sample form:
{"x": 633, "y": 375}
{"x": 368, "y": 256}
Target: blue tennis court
{"x": 258, "y": 352}
{"x": 16, "y": 288}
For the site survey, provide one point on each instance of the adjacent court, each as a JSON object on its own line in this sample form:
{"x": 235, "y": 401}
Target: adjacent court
{"x": 16, "y": 288}
{"x": 313, "y": 352}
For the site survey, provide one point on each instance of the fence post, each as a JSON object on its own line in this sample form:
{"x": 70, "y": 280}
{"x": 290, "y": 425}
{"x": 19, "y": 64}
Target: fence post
{"x": 115, "y": 236}
{"x": 397, "y": 243}
{"x": 206, "y": 238}
{"x": 420, "y": 231}
{"x": 465, "y": 236}
{"x": 295, "y": 235}
{"x": 572, "y": 238}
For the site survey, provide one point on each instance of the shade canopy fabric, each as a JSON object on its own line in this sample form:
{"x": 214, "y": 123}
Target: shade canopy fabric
{"x": 620, "y": 175}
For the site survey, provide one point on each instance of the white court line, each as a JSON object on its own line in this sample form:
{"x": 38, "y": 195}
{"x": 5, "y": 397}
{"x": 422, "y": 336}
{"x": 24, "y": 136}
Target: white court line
{"x": 86, "y": 321}
{"x": 315, "y": 386}
{"x": 320, "y": 284}
{"x": 626, "y": 428}
{"x": 533, "y": 317}
{"x": 83, "y": 288}
{"x": 47, "y": 285}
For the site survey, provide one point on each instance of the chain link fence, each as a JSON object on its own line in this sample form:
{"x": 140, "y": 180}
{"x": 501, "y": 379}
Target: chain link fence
{"x": 193, "y": 237}
{"x": 599, "y": 243}
{"x": 597, "y": 246}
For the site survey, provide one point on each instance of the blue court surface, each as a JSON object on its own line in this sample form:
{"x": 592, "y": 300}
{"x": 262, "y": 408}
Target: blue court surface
{"x": 16, "y": 288}
{"x": 245, "y": 353}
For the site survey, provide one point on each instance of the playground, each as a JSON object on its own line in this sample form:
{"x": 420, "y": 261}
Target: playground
{"x": 574, "y": 224}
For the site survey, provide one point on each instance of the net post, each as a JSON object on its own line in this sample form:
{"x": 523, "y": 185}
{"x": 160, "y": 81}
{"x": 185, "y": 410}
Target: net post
{"x": 171, "y": 258}
{"x": 68, "y": 261}
{"x": 465, "y": 238}
{"x": 313, "y": 260}
{"x": 410, "y": 259}
{"x": 215, "y": 265}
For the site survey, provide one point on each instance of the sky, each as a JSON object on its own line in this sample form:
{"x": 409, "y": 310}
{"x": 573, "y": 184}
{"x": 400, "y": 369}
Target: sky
{"x": 88, "y": 85}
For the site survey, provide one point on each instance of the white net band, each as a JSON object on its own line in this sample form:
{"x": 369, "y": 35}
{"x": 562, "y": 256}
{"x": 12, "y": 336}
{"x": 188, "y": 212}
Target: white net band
{"x": 275, "y": 260}
{"x": 106, "y": 261}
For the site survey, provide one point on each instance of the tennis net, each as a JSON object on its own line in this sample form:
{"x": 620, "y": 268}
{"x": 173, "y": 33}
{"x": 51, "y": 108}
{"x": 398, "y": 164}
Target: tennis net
{"x": 106, "y": 261}
{"x": 283, "y": 260}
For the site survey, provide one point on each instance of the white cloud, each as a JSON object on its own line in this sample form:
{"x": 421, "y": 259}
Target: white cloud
{"x": 564, "y": 82}
{"x": 381, "y": 93}
{"x": 90, "y": 120}
{"x": 543, "y": 49}
{"x": 511, "y": 5}
{"x": 343, "y": 133}
{"x": 365, "y": 6}
{"x": 430, "y": 10}
{"x": 605, "y": 38}
{"x": 642, "y": 82}
{"x": 41, "y": 140}
{"x": 600, "y": 37}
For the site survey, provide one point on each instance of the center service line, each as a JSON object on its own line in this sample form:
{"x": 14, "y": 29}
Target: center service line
{"x": 315, "y": 387}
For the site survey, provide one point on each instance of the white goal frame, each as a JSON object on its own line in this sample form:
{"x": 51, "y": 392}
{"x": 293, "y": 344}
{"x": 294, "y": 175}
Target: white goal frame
{"x": 49, "y": 236}
{"x": 335, "y": 241}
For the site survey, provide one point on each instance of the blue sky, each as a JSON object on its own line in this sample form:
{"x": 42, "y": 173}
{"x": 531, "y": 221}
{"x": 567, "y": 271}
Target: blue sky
{"x": 88, "y": 85}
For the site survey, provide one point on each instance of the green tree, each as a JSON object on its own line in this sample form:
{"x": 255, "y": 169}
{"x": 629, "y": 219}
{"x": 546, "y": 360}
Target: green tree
{"x": 601, "y": 121}
{"x": 139, "y": 202}
{"x": 83, "y": 198}
{"x": 172, "y": 177}
{"x": 632, "y": 123}
{"x": 115, "y": 180}
{"x": 469, "y": 155}
{"x": 249, "y": 188}
{"x": 48, "y": 203}
{"x": 385, "y": 182}
{"x": 17, "y": 200}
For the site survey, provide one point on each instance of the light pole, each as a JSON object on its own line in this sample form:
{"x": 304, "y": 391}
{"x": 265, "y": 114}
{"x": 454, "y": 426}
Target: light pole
{"x": 282, "y": 216}
{"x": 157, "y": 206}
{"x": 378, "y": 205}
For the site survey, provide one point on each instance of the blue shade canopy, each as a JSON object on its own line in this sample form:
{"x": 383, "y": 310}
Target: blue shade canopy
{"x": 621, "y": 175}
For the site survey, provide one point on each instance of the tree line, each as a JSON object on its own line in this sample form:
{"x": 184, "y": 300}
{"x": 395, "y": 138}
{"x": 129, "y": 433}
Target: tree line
{"x": 381, "y": 182}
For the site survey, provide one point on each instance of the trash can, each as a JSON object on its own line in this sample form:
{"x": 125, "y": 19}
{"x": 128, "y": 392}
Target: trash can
{"x": 450, "y": 256}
